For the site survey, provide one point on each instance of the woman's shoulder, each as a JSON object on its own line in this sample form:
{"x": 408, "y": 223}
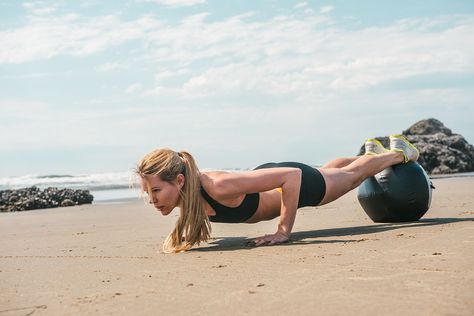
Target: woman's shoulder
{"x": 214, "y": 173}
{"x": 210, "y": 184}
{"x": 209, "y": 178}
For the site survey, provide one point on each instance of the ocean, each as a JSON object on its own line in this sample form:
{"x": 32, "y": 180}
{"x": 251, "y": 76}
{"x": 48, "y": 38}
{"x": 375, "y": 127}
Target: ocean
{"x": 111, "y": 187}
{"x": 105, "y": 187}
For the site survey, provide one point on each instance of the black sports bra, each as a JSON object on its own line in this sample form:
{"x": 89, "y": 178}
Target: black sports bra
{"x": 239, "y": 214}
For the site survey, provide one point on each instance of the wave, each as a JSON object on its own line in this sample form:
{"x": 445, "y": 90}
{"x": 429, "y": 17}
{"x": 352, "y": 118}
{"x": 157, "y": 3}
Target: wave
{"x": 97, "y": 181}
{"x": 55, "y": 176}
{"x": 91, "y": 182}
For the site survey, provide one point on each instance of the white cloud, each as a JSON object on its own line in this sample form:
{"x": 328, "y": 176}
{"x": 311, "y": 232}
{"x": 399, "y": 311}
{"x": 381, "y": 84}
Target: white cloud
{"x": 34, "y": 75}
{"x": 276, "y": 57}
{"x": 178, "y": 3}
{"x": 326, "y": 9}
{"x": 21, "y": 108}
{"x": 301, "y": 5}
{"x": 308, "y": 59}
{"x": 108, "y": 67}
{"x": 163, "y": 75}
{"x": 39, "y": 8}
{"x": 160, "y": 91}
{"x": 282, "y": 55}
{"x": 89, "y": 3}
{"x": 133, "y": 88}
{"x": 47, "y": 37}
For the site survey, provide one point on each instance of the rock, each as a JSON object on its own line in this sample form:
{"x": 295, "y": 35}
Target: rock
{"x": 34, "y": 198}
{"x": 67, "y": 202}
{"x": 428, "y": 127}
{"x": 441, "y": 150}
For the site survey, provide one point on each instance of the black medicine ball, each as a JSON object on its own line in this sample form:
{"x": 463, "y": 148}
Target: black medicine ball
{"x": 401, "y": 193}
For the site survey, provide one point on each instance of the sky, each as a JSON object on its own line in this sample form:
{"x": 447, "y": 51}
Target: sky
{"x": 92, "y": 86}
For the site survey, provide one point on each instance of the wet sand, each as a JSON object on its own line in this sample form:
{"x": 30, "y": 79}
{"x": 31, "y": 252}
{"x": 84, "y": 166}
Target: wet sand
{"x": 102, "y": 259}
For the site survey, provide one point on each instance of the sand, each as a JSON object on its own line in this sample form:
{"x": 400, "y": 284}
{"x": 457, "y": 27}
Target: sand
{"x": 102, "y": 259}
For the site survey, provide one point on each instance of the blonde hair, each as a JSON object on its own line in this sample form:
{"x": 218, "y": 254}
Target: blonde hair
{"x": 193, "y": 223}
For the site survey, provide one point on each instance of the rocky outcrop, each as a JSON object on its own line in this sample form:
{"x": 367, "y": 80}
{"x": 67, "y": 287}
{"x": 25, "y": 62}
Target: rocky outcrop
{"x": 34, "y": 198}
{"x": 441, "y": 150}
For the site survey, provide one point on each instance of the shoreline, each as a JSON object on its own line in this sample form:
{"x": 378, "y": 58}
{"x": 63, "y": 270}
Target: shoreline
{"x": 452, "y": 175}
{"x": 127, "y": 194}
{"x": 118, "y": 201}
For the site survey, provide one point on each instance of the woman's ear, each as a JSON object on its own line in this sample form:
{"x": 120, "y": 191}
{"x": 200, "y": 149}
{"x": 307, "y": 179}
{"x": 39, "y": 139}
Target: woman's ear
{"x": 180, "y": 179}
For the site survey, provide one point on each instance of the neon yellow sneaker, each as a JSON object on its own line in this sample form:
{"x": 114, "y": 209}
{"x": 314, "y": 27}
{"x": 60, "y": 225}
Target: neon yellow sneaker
{"x": 374, "y": 147}
{"x": 401, "y": 144}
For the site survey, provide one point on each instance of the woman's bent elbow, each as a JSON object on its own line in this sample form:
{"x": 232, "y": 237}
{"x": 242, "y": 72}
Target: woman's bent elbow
{"x": 295, "y": 176}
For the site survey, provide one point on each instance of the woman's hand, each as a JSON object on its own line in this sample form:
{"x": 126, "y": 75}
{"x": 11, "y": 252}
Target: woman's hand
{"x": 272, "y": 239}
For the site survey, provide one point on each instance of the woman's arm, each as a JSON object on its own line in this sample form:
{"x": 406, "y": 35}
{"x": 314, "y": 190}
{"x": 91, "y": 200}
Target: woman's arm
{"x": 289, "y": 202}
{"x": 289, "y": 179}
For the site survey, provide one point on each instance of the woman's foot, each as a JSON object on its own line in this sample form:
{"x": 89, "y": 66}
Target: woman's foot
{"x": 374, "y": 147}
{"x": 400, "y": 144}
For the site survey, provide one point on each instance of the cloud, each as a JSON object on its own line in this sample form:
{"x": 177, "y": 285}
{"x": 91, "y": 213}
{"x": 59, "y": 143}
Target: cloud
{"x": 301, "y": 5}
{"x": 34, "y": 75}
{"x": 71, "y": 34}
{"x": 10, "y": 108}
{"x": 133, "y": 88}
{"x": 310, "y": 55}
{"x": 276, "y": 57}
{"x": 326, "y": 9}
{"x": 108, "y": 67}
{"x": 39, "y": 8}
{"x": 160, "y": 76}
{"x": 178, "y": 3}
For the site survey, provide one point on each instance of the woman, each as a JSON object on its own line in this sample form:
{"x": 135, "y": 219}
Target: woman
{"x": 172, "y": 179}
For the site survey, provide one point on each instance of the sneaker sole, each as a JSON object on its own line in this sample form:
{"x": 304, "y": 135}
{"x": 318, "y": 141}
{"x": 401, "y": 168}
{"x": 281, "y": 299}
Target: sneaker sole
{"x": 407, "y": 142}
{"x": 374, "y": 140}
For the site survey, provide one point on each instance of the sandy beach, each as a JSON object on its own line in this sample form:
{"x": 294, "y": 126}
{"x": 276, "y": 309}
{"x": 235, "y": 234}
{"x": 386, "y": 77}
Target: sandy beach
{"x": 103, "y": 259}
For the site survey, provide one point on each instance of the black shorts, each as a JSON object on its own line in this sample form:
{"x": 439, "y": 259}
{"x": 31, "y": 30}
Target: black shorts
{"x": 313, "y": 186}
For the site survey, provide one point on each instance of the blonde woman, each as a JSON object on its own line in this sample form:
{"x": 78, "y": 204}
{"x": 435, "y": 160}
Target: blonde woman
{"x": 172, "y": 179}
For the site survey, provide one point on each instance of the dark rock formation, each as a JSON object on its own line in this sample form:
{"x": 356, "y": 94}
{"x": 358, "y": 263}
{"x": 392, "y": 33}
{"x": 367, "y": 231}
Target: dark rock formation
{"x": 441, "y": 151}
{"x": 34, "y": 198}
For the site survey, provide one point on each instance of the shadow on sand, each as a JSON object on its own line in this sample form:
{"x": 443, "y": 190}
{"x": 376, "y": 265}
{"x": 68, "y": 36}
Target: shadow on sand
{"x": 313, "y": 236}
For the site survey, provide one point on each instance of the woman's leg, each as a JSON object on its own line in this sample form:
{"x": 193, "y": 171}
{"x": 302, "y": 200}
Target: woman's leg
{"x": 341, "y": 180}
{"x": 339, "y": 162}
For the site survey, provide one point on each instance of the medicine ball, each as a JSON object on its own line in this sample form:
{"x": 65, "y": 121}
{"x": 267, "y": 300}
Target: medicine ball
{"x": 401, "y": 193}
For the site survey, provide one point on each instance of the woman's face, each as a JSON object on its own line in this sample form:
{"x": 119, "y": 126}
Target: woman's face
{"x": 162, "y": 194}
